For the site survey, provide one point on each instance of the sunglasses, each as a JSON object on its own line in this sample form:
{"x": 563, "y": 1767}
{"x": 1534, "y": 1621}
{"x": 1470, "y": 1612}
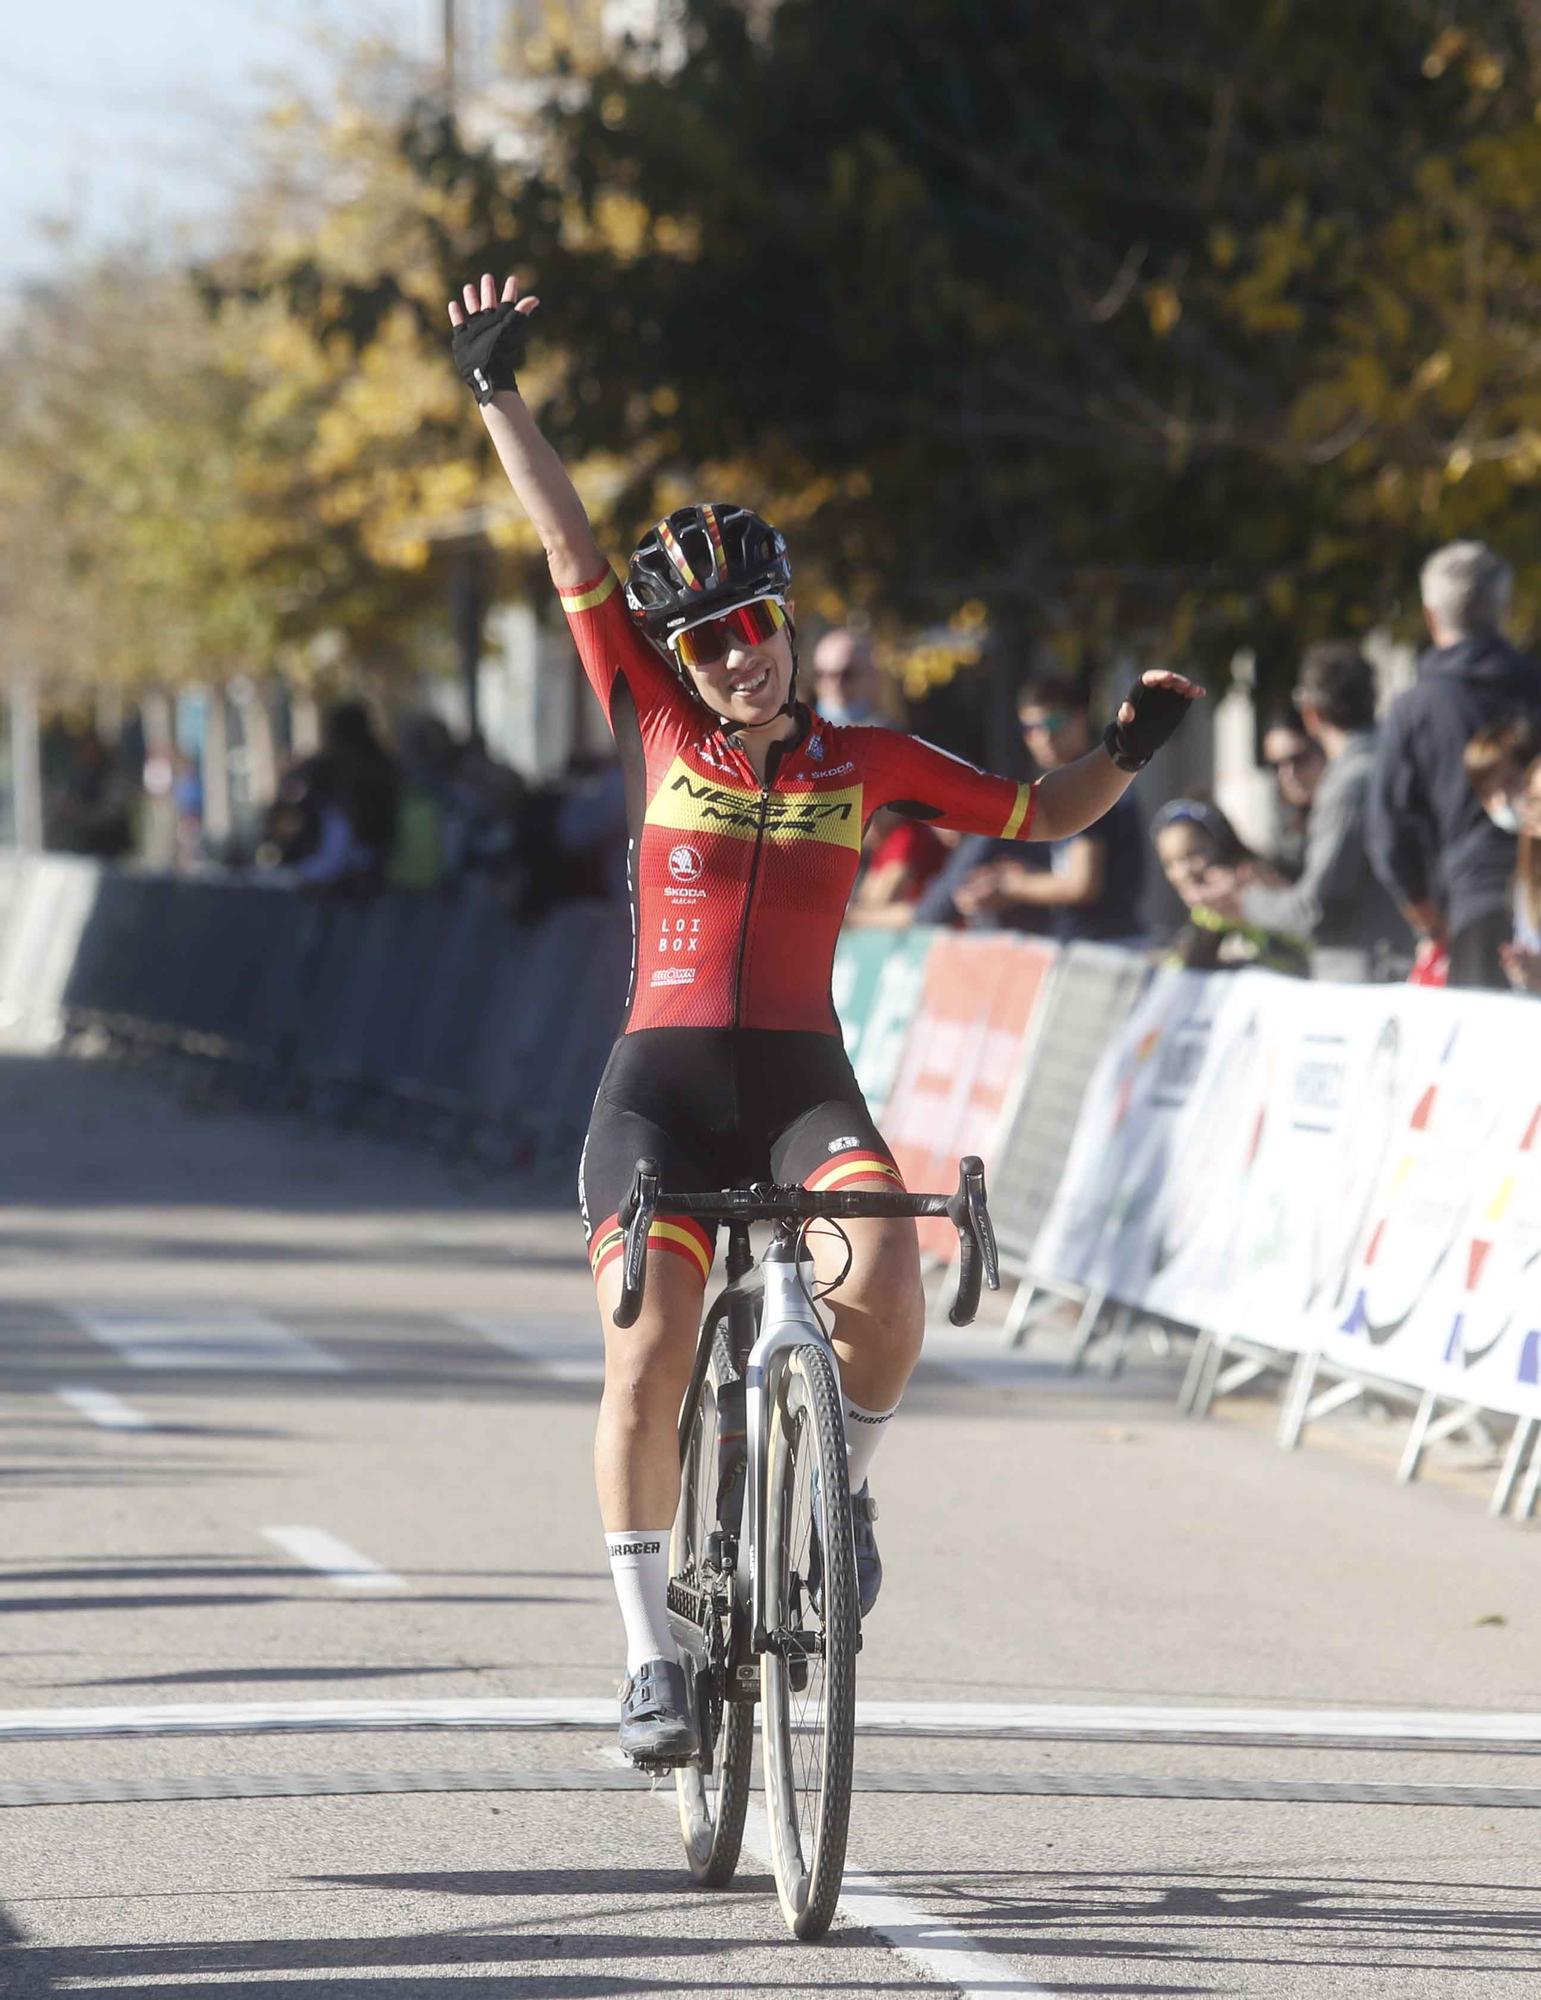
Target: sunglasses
{"x": 713, "y": 639}
{"x": 1051, "y": 723}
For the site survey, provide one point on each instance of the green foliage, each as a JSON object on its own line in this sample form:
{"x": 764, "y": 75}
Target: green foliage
{"x": 1181, "y": 327}
{"x": 1123, "y": 319}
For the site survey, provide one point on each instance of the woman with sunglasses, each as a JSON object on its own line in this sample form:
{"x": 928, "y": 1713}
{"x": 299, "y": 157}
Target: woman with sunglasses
{"x": 746, "y": 815}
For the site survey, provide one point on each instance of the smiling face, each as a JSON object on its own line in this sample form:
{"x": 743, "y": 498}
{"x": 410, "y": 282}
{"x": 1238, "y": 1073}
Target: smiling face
{"x": 1186, "y": 855}
{"x": 749, "y": 685}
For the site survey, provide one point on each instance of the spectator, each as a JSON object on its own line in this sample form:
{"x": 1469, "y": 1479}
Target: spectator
{"x": 1504, "y": 765}
{"x": 845, "y": 679}
{"x": 1093, "y": 883}
{"x": 334, "y": 819}
{"x": 429, "y": 842}
{"x": 588, "y": 830}
{"x": 1297, "y": 764}
{"x": 1339, "y": 906}
{"x": 87, "y": 794}
{"x": 1208, "y": 865}
{"x": 1431, "y": 843}
{"x": 906, "y": 855}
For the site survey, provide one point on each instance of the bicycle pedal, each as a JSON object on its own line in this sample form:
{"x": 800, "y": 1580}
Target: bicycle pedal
{"x": 660, "y": 1767}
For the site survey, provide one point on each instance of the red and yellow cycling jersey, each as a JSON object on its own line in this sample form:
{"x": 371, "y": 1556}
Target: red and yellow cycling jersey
{"x": 738, "y": 888}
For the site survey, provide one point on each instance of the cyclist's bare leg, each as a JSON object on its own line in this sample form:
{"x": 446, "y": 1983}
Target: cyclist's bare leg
{"x": 647, "y": 1370}
{"x": 880, "y": 1309}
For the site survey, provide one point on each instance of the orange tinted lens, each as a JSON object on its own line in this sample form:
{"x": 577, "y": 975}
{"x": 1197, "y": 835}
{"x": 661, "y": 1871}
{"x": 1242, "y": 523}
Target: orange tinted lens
{"x": 746, "y": 625}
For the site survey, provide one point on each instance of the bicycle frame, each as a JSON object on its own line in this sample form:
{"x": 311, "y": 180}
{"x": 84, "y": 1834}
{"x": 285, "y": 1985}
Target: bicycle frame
{"x": 787, "y": 1319}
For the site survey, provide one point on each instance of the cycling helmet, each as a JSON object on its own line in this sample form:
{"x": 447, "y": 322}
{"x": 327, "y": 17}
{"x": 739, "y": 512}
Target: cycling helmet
{"x": 702, "y": 560}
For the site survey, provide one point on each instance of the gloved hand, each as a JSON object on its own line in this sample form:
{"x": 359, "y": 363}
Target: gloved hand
{"x": 1149, "y": 717}
{"x": 486, "y": 347}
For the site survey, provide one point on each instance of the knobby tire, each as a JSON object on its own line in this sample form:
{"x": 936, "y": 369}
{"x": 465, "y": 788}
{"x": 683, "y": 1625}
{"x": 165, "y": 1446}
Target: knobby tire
{"x": 810, "y": 1733}
{"x": 711, "y": 1811}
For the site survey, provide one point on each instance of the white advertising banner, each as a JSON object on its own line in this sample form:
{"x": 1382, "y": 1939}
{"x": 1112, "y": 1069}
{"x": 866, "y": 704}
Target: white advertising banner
{"x": 1102, "y": 1230}
{"x": 1351, "y": 1170}
{"x": 1438, "y": 1289}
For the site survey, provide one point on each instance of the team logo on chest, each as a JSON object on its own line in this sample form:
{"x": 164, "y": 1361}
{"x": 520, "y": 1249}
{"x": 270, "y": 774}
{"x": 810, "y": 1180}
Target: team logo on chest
{"x": 692, "y": 802}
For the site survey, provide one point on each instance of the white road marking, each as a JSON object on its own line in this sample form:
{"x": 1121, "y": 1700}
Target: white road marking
{"x": 104, "y": 1409}
{"x": 203, "y": 1336}
{"x": 346, "y": 1567}
{"x": 927, "y": 1942}
{"x": 540, "y": 1343}
{"x": 1436, "y": 1728}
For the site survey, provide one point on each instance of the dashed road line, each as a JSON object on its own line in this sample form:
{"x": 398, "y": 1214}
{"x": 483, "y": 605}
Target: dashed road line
{"x": 204, "y": 1337}
{"x": 334, "y": 1559}
{"x": 561, "y": 1349}
{"x": 1362, "y": 1729}
{"x": 101, "y": 1407}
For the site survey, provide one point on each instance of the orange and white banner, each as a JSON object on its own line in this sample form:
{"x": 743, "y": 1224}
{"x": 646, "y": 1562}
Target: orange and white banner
{"x": 961, "y": 1059}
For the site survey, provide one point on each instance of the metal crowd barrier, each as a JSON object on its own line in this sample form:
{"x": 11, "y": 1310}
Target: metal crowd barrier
{"x": 436, "y": 1014}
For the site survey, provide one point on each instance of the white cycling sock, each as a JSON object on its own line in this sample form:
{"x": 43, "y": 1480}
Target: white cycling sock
{"x": 639, "y": 1569}
{"x": 864, "y": 1432}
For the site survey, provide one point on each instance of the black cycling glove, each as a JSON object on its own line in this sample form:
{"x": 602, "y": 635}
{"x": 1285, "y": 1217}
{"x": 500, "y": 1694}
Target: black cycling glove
{"x": 1158, "y": 711}
{"x": 486, "y": 348}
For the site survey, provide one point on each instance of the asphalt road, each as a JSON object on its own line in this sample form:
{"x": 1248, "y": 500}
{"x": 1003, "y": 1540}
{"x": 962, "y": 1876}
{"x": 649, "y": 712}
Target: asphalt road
{"x": 308, "y": 1652}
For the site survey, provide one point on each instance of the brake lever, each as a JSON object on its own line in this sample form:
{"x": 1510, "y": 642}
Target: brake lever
{"x": 977, "y": 1255}
{"x": 979, "y": 1211}
{"x": 636, "y": 1218}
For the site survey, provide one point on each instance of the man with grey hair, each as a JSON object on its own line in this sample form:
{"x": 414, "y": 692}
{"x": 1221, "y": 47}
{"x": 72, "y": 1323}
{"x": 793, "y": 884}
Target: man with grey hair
{"x": 1430, "y": 841}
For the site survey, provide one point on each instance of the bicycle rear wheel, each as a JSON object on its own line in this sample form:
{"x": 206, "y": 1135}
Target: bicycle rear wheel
{"x": 808, "y": 1676}
{"x": 711, "y": 1808}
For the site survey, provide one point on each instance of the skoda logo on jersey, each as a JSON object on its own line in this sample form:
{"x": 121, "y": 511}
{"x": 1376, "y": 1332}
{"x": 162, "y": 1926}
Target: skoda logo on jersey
{"x": 685, "y": 863}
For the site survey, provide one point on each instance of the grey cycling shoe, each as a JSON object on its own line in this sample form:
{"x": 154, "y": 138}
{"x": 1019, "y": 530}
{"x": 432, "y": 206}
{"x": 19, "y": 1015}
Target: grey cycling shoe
{"x": 869, "y": 1564}
{"x": 657, "y": 1727}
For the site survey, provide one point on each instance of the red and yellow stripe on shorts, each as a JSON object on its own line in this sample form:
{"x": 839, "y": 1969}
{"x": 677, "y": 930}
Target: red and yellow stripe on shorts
{"x": 853, "y": 1166}
{"x": 673, "y": 1233}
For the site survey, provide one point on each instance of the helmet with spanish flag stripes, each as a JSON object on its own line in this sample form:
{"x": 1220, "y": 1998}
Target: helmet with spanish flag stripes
{"x": 701, "y": 562}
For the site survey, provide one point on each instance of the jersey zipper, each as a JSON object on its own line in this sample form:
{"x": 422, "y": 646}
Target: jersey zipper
{"x": 743, "y": 929}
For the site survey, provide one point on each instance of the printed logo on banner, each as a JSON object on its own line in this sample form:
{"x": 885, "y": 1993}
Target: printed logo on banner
{"x": 1217, "y": 1147}
{"x": 1423, "y": 1199}
{"x": 1364, "y": 1134}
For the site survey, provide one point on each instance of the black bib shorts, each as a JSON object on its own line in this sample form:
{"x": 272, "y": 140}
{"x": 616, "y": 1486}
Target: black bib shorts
{"x": 718, "y": 1107}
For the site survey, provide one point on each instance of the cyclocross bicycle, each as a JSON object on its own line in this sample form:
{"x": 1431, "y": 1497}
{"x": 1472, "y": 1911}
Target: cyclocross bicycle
{"x": 763, "y": 1603}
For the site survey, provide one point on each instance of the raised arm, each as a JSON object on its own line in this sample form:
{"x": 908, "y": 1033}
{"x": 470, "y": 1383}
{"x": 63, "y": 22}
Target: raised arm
{"x": 1077, "y": 795}
{"x": 487, "y": 343}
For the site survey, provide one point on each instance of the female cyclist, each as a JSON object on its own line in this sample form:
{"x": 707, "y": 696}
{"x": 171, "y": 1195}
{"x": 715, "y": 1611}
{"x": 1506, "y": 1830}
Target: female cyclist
{"x": 746, "y": 815}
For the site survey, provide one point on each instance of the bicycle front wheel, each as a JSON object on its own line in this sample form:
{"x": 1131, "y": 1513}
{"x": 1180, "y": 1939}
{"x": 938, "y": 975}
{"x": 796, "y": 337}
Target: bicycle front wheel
{"x": 808, "y": 1673}
{"x": 711, "y": 1808}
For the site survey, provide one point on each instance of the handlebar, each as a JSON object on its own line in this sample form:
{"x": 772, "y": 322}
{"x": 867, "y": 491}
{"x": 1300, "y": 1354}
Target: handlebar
{"x": 966, "y": 1209}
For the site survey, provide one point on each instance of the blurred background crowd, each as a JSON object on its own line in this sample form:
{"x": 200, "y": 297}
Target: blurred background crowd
{"x": 1058, "y": 347}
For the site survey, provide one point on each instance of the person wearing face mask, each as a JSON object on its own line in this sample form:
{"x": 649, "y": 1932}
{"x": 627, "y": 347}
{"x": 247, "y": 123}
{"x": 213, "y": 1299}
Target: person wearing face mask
{"x": 1504, "y": 765}
{"x": 745, "y": 813}
{"x": 1430, "y": 842}
{"x": 845, "y": 679}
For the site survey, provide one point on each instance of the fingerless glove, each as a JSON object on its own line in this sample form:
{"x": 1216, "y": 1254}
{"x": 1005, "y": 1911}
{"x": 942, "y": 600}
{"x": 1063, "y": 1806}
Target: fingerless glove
{"x": 1158, "y": 711}
{"x": 486, "y": 348}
